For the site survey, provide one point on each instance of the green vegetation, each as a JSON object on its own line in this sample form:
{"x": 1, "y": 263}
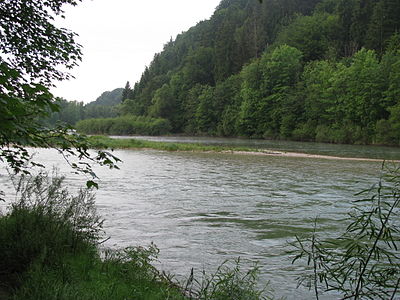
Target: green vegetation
{"x": 319, "y": 70}
{"x": 125, "y": 125}
{"x": 49, "y": 249}
{"x": 102, "y": 142}
{"x": 70, "y": 112}
{"x": 308, "y": 70}
{"x": 33, "y": 54}
{"x": 364, "y": 261}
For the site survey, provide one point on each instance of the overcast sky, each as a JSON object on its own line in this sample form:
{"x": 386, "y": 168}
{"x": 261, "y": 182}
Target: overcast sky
{"x": 120, "y": 38}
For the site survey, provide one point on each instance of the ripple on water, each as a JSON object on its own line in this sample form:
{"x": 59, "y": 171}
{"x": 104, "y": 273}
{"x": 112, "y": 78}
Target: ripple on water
{"x": 202, "y": 208}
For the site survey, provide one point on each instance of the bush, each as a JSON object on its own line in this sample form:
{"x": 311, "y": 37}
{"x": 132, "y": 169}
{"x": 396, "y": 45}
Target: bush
{"x": 304, "y": 132}
{"x": 385, "y": 133}
{"x": 45, "y": 224}
{"x": 323, "y": 134}
{"x": 119, "y": 275}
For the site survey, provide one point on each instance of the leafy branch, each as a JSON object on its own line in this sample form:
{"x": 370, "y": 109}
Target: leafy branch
{"x": 364, "y": 261}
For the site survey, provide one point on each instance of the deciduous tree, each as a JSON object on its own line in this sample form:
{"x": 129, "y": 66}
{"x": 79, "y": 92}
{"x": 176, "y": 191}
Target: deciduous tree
{"x": 34, "y": 53}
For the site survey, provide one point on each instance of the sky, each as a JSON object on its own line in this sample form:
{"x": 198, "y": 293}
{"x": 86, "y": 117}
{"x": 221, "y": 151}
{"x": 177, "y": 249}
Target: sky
{"x": 120, "y": 38}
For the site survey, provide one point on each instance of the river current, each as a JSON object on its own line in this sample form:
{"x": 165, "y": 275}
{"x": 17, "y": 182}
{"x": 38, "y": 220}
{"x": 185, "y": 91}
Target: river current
{"x": 203, "y": 208}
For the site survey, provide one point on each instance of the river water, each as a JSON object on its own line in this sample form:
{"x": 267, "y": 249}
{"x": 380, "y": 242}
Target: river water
{"x": 203, "y": 208}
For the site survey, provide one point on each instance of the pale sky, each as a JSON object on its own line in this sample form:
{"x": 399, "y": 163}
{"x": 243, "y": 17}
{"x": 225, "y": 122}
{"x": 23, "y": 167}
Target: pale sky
{"x": 120, "y": 38}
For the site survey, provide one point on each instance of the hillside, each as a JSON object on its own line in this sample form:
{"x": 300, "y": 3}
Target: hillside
{"x": 108, "y": 98}
{"x": 292, "y": 69}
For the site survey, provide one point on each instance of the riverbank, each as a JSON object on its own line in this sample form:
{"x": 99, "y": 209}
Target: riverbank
{"x": 133, "y": 143}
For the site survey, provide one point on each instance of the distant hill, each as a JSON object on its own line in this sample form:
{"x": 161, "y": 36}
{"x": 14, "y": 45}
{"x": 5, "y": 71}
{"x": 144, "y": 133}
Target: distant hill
{"x": 108, "y": 98}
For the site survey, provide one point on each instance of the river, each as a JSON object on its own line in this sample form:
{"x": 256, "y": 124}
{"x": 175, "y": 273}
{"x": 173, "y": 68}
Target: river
{"x": 203, "y": 208}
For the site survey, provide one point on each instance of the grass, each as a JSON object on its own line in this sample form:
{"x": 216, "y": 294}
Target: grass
{"x": 100, "y": 142}
{"x": 85, "y": 276}
{"x": 49, "y": 250}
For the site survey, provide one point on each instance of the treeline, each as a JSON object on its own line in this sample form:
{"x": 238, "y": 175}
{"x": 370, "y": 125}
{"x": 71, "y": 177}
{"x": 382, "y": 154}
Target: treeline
{"x": 295, "y": 69}
{"x": 102, "y": 117}
{"x": 70, "y": 112}
{"x": 124, "y": 125}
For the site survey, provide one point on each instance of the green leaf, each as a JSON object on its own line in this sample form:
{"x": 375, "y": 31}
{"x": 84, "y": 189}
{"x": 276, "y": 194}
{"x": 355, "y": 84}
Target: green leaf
{"x": 91, "y": 184}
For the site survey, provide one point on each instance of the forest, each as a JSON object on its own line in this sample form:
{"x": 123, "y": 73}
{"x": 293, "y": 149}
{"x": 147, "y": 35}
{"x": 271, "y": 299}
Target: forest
{"x": 326, "y": 71}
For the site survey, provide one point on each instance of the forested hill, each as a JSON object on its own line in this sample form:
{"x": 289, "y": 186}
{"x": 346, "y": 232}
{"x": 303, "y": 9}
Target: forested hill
{"x": 296, "y": 69}
{"x": 108, "y": 98}
{"x": 72, "y": 112}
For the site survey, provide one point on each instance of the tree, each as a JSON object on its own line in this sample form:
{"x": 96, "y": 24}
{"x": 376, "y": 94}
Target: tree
{"x": 206, "y": 116}
{"x": 383, "y": 24}
{"x": 126, "y": 93}
{"x": 33, "y": 55}
{"x": 316, "y": 36}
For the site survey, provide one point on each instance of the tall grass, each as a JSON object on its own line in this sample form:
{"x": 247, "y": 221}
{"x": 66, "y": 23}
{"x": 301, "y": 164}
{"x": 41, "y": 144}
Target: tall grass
{"x": 230, "y": 281}
{"x": 45, "y": 224}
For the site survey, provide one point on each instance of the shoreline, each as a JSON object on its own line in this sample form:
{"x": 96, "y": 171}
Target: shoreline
{"x": 307, "y": 155}
{"x": 114, "y": 143}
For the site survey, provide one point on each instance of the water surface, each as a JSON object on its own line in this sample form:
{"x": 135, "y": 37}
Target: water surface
{"x": 203, "y": 208}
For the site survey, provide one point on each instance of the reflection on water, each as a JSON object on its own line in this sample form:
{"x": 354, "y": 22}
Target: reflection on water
{"x": 202, "y": 208}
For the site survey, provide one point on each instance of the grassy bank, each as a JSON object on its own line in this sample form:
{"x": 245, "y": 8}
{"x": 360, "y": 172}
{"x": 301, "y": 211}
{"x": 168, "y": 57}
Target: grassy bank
{"x": 102, "y": 142}
{"x": 49, "y": 249}
{"x": 106, "y": 142}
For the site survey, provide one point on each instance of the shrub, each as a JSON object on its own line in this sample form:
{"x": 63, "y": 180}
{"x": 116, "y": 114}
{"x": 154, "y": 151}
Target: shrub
{"x": 45, "y": 224}
{"x": 48, "y": 250}
{"x": 385, "y": 133}
{"x": 119, "y": 275}
{"x": 304, "y": 132}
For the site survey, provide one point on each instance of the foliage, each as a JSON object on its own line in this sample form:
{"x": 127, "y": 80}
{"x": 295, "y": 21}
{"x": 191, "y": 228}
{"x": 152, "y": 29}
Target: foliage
{"x": 33, "y": 53}
{"x": 316, "y": 36}
{"x": 119, "y": 274}
{"x": 109, "y": 98}
{"x": 44, "y": 224}
{"x": 229, "y": 281}
{"x": 363, "y": 262}
{"x": 70, "y": 112}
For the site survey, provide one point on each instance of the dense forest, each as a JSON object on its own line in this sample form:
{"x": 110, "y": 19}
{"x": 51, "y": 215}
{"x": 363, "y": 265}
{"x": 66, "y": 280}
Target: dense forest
{"x": 308, "y": 70}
